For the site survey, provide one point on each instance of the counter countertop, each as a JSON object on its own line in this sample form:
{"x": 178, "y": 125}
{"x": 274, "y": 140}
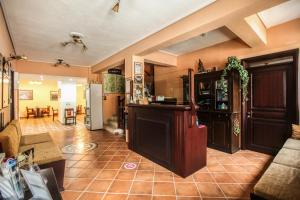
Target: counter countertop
{"x": 161, "y": 106}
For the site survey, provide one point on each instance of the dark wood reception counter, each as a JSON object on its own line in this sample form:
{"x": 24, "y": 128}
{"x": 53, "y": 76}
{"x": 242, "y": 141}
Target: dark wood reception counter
{"x": 168, "y": 135}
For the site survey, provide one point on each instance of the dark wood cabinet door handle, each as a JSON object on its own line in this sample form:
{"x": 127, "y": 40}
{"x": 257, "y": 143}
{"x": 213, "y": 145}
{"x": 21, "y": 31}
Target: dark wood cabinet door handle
{"x": 248, "y": 114}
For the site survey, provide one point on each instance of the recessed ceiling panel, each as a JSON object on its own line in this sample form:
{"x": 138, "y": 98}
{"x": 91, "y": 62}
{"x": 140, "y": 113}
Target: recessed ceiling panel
{"x": 38, "y": 26}
{"x": 280, "y": 14}
{"x": 202, "y": 41}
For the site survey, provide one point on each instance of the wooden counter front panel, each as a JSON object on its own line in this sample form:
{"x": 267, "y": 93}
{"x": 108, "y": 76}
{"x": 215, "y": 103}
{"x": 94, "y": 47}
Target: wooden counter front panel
{"x": 166, "y": 137}
{"x": 152, "y": 135}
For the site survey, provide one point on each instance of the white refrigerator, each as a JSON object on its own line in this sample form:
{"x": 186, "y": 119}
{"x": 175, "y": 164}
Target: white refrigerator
{"x": 94, "y": 113}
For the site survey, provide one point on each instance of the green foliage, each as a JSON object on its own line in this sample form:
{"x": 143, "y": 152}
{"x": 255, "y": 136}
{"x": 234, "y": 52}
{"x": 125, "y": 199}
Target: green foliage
{"x": 113, "y": 83}
{"x": 235, "y": 63}
{"x": 236, "y": 127}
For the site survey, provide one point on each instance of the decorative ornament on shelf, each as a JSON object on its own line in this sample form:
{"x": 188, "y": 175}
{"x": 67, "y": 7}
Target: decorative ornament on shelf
{"x": 200, "y": 66}
{"x": 235, "y": 63}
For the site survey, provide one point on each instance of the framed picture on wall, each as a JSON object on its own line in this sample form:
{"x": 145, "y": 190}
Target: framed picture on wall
{"x": 138, "y": 79}
{"x": 53, "y": 95}
{"x": 138, "y": 67}
{"x": 25, "y": 94}
{"x": 6, "y": 84}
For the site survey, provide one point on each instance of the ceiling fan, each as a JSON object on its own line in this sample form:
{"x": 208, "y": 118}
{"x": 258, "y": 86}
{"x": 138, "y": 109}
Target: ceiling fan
{"x": 76, "y": 39}
{"x": 61, "y": 61}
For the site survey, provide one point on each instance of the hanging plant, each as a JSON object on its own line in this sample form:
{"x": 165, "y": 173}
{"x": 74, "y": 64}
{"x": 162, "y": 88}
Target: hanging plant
{"x": 235, "y": 63}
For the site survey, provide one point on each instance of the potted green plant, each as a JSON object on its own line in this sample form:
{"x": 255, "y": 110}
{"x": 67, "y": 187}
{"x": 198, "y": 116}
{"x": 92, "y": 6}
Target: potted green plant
{"x": 235, "y": 64}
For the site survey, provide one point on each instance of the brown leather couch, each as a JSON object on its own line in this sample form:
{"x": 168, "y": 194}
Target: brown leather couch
{"x": 281, "y": 180}
{"x": 46, "y": 152}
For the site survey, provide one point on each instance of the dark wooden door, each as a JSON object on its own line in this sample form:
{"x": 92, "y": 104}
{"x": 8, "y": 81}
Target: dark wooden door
{"x": 271, "y": 106}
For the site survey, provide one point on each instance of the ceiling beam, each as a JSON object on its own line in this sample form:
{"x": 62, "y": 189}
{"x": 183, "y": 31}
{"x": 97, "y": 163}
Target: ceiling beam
{"x": 250, "y": 29}
{"x": 162, "y": 59}
{"x": 217, "y": 14}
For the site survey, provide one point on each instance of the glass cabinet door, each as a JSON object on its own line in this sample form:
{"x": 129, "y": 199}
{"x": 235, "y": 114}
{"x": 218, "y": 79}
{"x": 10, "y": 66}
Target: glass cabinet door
{"x": 204, "y": 88}
{"x": 204, "y": 98}
{"x": 222, "y": 102}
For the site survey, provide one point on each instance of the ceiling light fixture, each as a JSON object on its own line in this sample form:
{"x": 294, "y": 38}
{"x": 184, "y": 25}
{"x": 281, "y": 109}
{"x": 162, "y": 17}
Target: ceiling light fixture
{"x": 76, "y": 39}
{"x": 15, "y": 57}
{"x": 116, "y": 7}
{"x": 61, "y": 61}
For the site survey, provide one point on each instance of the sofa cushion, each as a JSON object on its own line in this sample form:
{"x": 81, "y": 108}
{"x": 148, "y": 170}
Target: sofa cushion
{"x": 296, "y": 132}
{"x": 16, "y": 124}
{"x": 279, "y": 182}
{"x": 44, "y": 153}
{"x": 292, "y": 144}
{"x": 10, "y": 141}
{"x": 35, "y": 138}
{"x": 288, "y": 157}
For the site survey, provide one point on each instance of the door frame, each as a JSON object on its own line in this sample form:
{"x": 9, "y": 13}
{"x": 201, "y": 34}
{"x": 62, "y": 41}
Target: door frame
{"x": 295, "y": 54}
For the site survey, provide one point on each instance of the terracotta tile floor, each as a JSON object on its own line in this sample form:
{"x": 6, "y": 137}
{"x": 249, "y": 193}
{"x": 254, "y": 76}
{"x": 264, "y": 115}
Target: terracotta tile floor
{"x": 100, "y": 173}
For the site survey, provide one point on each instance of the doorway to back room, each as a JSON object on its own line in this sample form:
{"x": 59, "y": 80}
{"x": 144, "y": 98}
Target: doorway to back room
{"x": 44, "y": 96}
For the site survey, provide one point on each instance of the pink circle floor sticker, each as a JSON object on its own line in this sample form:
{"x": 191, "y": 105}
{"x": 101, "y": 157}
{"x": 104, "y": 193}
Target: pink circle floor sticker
{"x": 129, "y": 165}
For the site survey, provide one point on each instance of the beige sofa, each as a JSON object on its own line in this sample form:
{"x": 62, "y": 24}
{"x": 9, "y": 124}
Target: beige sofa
{"x": 281, "y": 180}
{"x": 46, "y": 152}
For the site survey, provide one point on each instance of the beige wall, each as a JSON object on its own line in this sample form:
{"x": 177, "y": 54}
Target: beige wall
{"x": 6, "y": 48}
{"x": 80, "y": 100}
{"x": 280, "y": 38}
{"x": 41, "y": 95}
{"x": 110, "y": 106}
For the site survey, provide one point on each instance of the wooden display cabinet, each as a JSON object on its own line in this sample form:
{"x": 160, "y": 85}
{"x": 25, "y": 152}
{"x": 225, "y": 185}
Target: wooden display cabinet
{"x": 219, "y": 111}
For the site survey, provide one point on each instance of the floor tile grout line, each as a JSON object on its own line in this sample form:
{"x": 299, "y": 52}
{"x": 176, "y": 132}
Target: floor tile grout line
{"x": 196, "y": 186}
{"x": 105, "y": 193}
{"x": 217, "y": 182}
{"x": 174, "y": 185}
{"x": 95, "y": 178}
{"x": 153, "y": 181}
{"x": 134, "y": 177}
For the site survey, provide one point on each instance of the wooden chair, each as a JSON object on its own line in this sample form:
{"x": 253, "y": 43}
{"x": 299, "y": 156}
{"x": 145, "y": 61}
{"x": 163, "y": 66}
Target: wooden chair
{"x": 54, "y": 113}
{"x": 46, "y": 111}
{"x": 79, "y": 109}
{"x": 30, "y": 112}
{"x": 70, "y": 115}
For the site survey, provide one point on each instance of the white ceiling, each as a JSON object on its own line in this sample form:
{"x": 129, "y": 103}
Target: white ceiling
{"x": 280, "y": 14}
{"x": 205, "y": 40}
{"x": 37, "y": 27}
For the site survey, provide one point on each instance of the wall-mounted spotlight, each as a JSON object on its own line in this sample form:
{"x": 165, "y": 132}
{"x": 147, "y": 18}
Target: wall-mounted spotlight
{"x": 116, "y": 7}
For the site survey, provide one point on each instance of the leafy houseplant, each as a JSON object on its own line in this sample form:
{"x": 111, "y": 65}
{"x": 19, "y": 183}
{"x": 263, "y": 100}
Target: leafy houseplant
{"x": 235, "y": 63}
